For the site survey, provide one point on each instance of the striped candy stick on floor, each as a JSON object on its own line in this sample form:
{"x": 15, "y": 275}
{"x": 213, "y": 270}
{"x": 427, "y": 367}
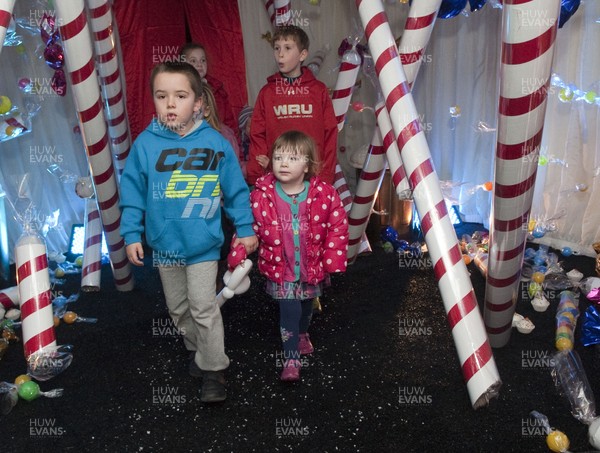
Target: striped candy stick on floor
{"x": 6, "y": 9}
{"x": 105, "y": 39}
{"x": 529, "y": 31}
{"x": 92, "y": 251}
{"x": 417, "y": 31}
{"x": 9, "y": 297}
{"x": 33, "y": 281}
{"x": 79, "y": 62}
{"x": 474, "y": 352}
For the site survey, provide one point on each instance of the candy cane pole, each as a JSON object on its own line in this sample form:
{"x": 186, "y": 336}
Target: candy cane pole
{"x": 392, "y": 153}
{"x": 6, "y": 9}
{"x": 474, "y": 352}
{"x": 9, "y": 297}
{"x": 92, "y": 251}
{"x": 33, "y": 281}
{"x": 344, "y": 85}
{"x": 368, "y": 185}
{"x": 529, "y": 31}
{"x": 86, "y": 92}
{"x": 278, "y": 11}
{"x": 417, "y": 31}
{"x": 107, "y": 61}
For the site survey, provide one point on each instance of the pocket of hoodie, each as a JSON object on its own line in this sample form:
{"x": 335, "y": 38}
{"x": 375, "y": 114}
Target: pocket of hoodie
{"x": 187, "y": 237}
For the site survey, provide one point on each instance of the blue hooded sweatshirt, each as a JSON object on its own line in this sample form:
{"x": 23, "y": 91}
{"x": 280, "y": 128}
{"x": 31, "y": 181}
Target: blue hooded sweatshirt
{"x": 171, "y": 189}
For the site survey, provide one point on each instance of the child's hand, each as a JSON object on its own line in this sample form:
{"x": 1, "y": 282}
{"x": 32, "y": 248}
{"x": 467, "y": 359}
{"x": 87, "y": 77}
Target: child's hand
{"x": 250, "y": 243}
{"x": 135, "y": 253}
{"x": 263, "y": 160}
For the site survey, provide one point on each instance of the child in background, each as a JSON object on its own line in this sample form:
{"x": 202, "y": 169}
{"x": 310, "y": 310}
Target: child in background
{"x": 209, "y": 110}
{"x": 292, "y": 99}
{"x": 171, "y": 191}
{"x": 195, "y": 54}
{"x": 244, "y": 123}
{"x": 303, "y": 234}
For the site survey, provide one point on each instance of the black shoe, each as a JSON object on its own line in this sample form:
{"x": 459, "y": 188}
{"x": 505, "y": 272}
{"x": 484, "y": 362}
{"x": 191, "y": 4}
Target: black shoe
{"x": 194, "y": 369}
{"x": 213, "y": 387}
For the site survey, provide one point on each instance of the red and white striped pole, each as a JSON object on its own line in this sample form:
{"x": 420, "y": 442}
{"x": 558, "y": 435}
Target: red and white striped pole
{"x": 417, "y": 31}
{"x": 474, "y": 351}
{"x": 392, "y": 153}
{"x": 528, "y": 34}
{"x": 364, "y": 198}
{"x": 9, "y": 297}
{"x": 105, "y": 37}
{"x": 79, "y": 61}
{"x": 344, "y": 85}
{"x": 33, "y": 281}
{"x": 341, "y": 185}
{"x": 6, "y": 9}
{"x": 92, "y": 251}
{"x": 278, "y": 11}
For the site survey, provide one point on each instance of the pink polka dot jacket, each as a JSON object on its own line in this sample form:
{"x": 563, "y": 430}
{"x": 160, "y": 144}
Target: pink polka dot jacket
{"x": 327, "y": 239}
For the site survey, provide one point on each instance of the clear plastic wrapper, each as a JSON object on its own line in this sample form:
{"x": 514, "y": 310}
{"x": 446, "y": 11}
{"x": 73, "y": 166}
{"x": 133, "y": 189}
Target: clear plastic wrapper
{"x": 571, "y": 381}
{"x": 590, "y": 287}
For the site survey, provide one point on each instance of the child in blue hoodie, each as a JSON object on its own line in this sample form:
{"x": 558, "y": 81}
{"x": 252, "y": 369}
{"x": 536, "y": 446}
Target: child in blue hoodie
{"x": 171, "y": 188}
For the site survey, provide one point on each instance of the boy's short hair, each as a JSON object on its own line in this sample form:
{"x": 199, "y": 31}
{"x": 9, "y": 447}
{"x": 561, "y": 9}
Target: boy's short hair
{"x": 298, "y": 35}
{"x": 179, "y": 67}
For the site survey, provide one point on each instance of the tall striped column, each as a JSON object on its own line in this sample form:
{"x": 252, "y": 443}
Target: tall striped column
{"x": 6, "y": 9}
{"x": 105, "y": 38}
{"x": 79, "y": 61}
{"x": 417, "y": 31}
{"x": 474, "y": 351}
{"x": 366, "y": 188}
{"x": 279, "y": 12}
{"x": 341, "y": 185}
{"x": 344, "y": 85}
{"x": 92, "y": 250}
{"x": 528, "y": 34}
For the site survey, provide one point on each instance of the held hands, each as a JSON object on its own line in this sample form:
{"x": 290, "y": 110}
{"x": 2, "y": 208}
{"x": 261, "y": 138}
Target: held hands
{"x": 135, "y": 253}
{"x": 250, "y": 243}
{"x": 263, "y": 160}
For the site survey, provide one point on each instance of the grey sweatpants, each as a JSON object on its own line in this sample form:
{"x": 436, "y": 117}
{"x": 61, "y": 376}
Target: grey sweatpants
{"x": 191, "y": 300}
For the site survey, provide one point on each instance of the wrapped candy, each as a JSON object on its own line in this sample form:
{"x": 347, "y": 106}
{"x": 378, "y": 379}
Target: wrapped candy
{"x": 571, "y": 380}
{"x": 557, "y": 441}
{"x": 566, "y": 319}
{"x": 590, "y": 287}
{"x": 590, "y": 326}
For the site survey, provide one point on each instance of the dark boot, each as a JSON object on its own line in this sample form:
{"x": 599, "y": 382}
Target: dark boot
{"x": 213, "y": 387}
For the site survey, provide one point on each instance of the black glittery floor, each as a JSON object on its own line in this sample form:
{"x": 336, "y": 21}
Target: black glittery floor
{"x": 369, "y": 386}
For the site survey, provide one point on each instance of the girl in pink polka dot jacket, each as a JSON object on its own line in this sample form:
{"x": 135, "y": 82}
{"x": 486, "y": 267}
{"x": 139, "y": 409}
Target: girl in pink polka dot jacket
{"x": 303, "y": 232}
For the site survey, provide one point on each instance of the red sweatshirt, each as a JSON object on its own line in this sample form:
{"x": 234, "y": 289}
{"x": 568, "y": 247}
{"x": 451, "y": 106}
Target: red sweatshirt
{"x": 304, "y": 105}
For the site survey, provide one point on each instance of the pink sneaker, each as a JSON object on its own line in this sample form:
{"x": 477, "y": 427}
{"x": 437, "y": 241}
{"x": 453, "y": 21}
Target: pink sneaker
{"x": 304, "y": 344}
{"x": 291, "y": 371}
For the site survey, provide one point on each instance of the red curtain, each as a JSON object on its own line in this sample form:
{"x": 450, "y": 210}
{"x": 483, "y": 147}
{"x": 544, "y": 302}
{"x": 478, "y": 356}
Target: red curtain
{"x": 152, "y": 31}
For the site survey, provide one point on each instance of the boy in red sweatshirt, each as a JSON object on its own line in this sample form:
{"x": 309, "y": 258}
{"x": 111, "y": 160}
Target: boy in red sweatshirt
{"x": 292, "y": 99}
